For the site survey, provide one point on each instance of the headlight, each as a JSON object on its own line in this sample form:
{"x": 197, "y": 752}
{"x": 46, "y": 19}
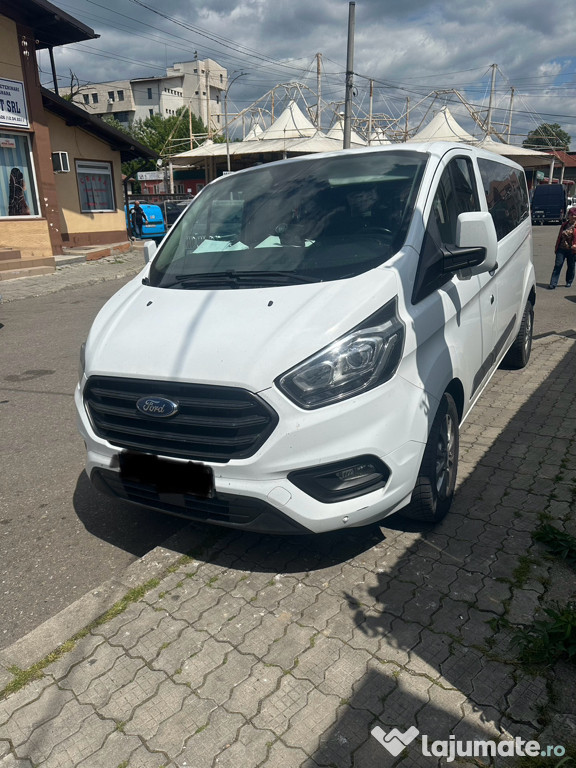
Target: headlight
{"x": 359, "y": 361}
{"x": 82, "y": 361}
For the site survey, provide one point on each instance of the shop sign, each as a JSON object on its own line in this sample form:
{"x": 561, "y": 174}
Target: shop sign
{"x": 13, "y": 112}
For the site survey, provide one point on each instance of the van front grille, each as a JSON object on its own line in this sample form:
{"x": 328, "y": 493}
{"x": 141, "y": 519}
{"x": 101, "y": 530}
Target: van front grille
{"x": 213, "y": 423}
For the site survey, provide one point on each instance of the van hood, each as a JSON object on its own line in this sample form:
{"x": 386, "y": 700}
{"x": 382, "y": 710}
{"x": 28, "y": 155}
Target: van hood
{"x": 236, "y": 337}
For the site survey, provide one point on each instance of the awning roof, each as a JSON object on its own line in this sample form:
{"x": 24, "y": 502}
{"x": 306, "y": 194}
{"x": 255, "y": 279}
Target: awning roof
{"x": 129, "y": 148}
{"x": 52, "y": 26}
{"x": 443, "y": 127}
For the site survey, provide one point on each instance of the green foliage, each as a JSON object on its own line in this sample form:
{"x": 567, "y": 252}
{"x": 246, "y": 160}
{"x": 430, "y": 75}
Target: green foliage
{"x": 550, "y": 639}
{"x": 561, "y": 544}
{"x": 167, "y": 135}
{"x": 547, "y": 136}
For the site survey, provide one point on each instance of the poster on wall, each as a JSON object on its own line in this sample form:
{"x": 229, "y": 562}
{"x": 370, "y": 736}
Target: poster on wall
{"x": 13, "y": 112}
{"x": 17, "y": 189}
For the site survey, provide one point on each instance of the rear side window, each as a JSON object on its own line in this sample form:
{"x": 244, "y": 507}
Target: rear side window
{"x": 506, "y": 195}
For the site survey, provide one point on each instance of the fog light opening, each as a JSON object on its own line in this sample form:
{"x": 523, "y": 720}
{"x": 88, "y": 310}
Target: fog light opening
{"x": 342, "y": 480}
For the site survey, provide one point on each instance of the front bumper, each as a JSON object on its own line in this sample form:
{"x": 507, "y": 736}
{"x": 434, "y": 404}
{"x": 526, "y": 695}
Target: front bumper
{"x": 255, "y": 493}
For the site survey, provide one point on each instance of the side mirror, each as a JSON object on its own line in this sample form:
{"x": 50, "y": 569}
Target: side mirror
{"x": 149, "y": 250}
{"x": 475, "y": 230}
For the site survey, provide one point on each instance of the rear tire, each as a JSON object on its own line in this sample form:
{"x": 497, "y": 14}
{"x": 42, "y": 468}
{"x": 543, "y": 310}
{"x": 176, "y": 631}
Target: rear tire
{"x": 436, "y": 481}
{"x": 519, "y": 353}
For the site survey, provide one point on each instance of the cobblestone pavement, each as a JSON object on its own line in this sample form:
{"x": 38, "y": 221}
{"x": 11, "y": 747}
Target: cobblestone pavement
{"x": 74, "y": 275}
{"x": 286, "y": 652}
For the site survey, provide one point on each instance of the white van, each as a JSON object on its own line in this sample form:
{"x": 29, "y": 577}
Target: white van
{"x": 299, "y": 353}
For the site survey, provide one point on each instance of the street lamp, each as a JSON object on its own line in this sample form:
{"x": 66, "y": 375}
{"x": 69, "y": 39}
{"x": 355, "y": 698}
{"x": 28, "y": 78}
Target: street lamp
{"x": 226, "y": 117}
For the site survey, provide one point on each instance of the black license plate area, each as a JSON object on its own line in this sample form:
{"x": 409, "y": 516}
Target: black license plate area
{"x": 167, "y": 476}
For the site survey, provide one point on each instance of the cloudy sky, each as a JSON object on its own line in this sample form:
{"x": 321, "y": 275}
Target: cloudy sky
{"x": 408, "y": 48}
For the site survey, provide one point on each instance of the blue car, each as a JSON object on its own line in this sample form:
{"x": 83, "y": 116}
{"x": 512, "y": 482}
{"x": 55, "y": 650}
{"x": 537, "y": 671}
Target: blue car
{"x": 154, "y": 226}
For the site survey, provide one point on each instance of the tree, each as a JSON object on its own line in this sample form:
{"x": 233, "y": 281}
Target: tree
{"x": 547, "y": 136}
{"x": 164, "y": 135}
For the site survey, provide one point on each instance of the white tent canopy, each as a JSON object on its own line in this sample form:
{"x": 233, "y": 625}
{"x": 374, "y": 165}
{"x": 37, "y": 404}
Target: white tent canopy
{"x": 292, "y": 124}
{"x": 337, "y": 132}
{"x": 528, "y": 158}
{"x": 443, "y": 127}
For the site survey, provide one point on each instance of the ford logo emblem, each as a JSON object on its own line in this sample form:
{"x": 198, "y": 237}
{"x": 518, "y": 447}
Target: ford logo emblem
{"x": 157, "y": 406}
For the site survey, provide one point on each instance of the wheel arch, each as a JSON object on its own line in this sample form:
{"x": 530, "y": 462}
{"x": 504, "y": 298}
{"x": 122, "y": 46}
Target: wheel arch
{"x": 456, "y": 389}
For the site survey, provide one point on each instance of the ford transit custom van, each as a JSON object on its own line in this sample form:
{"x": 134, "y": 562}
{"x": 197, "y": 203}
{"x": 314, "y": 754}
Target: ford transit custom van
{"x": 300, "y": 352}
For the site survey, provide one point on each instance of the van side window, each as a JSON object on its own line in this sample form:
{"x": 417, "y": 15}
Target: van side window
{"x": 506, "y": 195}
{"x": 456, "y": 194}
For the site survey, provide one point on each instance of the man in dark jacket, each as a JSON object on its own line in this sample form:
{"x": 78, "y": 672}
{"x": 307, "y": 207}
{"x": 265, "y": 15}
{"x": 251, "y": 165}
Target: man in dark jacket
{"x": 137, "y": 218}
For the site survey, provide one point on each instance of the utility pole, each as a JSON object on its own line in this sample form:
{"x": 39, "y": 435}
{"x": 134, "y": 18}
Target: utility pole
{"x": 349, "y": 76}
{"x": 318, "y": 89}
{"x": 370, "y": 112}
{"x": 208, "y": 115}
{"x": 241, "y": 74}
{"x": 407, "y": 115}
{"x": 510, "y": 114}
{"x": 489, "y": 116}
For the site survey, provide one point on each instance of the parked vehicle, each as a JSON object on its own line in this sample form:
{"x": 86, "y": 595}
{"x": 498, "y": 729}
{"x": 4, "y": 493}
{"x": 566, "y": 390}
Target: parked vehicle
{"x": 172, "y": 209}
{"x": 548, "y": 203}
{"x": 154, "y": 226}
{"x": 300, "y": 352}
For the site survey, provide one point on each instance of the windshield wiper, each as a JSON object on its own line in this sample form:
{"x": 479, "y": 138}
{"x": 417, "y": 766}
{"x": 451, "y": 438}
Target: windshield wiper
{"x": 236, "y": 279}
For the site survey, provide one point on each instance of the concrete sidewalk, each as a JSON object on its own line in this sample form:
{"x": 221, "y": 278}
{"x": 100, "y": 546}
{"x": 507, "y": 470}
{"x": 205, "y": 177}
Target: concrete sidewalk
{"x": 75, "y": 272}
{"x": 287, "y": 652}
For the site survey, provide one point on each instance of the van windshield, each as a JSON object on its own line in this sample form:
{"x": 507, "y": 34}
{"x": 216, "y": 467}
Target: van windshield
{"x": 285, "y": 223}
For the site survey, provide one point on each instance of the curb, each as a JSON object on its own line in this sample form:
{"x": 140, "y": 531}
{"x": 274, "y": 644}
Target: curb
{"x": 42, "y": 640}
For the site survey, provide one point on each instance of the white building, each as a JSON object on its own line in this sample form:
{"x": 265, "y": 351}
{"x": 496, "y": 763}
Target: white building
{"x": 199, "y": 85}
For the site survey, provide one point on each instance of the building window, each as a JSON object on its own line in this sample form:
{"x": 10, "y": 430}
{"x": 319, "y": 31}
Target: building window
{"x": 111, "y": 96}
{"x": 122, "y": 117}
{"x": 221, "y": 79}
{"x": 95, "y": 186}
{"x": 150, "y": 112}
{"x": 17, "y": 186}
{"x": 94, "y": 98}
{"x": 86, "y": 97}
{"x": 196, "y": 93}
{"x": 120, "y": 95}
{"x": 149, "y": 93}
{"x": 217, "y": 98}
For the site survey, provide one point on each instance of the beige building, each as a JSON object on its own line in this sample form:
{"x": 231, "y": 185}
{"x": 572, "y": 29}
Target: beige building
{"x": 60, "y": 169}
{"x": 198, "y": 85}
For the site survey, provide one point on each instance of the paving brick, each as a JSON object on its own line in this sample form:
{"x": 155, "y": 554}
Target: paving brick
{"x": 129, "y": 635}
{"x": 369, "y": 692}
{"x": 148, "y": 716}
{"x": 112, "y": 627}
{"x": 250, "y": 748}
{"x": 124, "y": 699}
{"x": 286, "y": 650}
{"x": 216, "y": 617}
{"x": 150, "y": 645}
{"x": 281, "y": 756}
{"x": 31, "y": 715}
{"x": 281, "y": 706}
{"x": 219, "y": 683}
{"x": 116, "y": 750}
{"x": 25, "y": 696}
{"x": 100, "y": 661}
{"x": 142, "y": 758}
{"x": 441, "y": 714}
{"x": 236, "y": 627}
{"x": 461, "y": 667}
{"x": 401, "y": 639}
{"x": 314, "y": 662}
{"x": 277, "y": 589}
{"x": 406, "y": 700}
{"x": 247, "y": 697}
{"x": 82, "y": 650}
{"x": 428, "y": 654}
{"x": 523, "y": 606}
{"x": 187, "y": 644}
{"x": 209, "y": 657}
{"x": 526, "y": 699}
{"x": 175, "y": 730}
{"x": 44, "y": 738}
{"x": 221, "y": 730}
{"x": 12, "y": 762}
{"x": 492, "y": 685}
{"x": 307, "y": 726}
{"x": 101, "y": 689}
{"x": 492, "y": 597}
{"x": 259, "y": 640}
{"x": 341, "y": 675}
{"x": 87, "y": 741}
{"x": 478, "y": 723}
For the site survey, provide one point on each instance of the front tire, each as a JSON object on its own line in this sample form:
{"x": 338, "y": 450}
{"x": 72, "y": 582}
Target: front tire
{"x": 434, "y": 490}
{"x": 519, "y": 353}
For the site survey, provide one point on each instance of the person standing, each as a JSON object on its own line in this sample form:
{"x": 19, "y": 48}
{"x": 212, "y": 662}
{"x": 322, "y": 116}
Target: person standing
{"x": 565, "y": 250}
{"x": 17, "y": 205}
{"x": 137, "y": 218}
